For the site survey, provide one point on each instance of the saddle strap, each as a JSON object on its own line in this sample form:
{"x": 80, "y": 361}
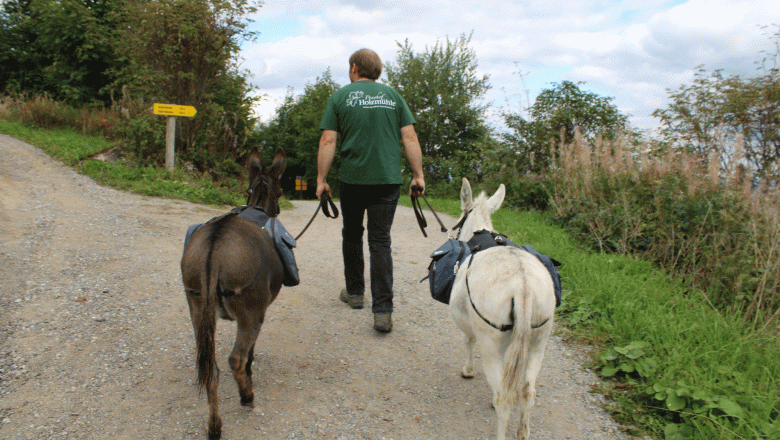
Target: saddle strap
{"x": 502, "y": 327}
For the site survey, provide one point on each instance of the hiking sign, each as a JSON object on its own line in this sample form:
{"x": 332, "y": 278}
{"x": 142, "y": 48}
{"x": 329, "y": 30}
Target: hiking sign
{"x": 187, "y": 111}
{"x": 172, "y": 111}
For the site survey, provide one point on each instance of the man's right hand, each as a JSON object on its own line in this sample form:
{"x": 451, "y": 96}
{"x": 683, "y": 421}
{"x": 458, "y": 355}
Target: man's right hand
{"x": 322, "y": 188}
{"x": 417, "y": 187}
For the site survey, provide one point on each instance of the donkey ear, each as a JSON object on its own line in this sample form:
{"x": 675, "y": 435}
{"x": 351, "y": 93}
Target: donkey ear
{"x": 253, "y": 164}
{"x": 495, "y": 201}
{"x": 278, "y": 165}
{"x": 465, "y": 195}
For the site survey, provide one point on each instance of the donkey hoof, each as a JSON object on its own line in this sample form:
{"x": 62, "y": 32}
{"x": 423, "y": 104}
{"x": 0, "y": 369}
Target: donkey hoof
{"x": 467, "y": 374}
{"x": 248, "y": 401}
{"x": 215, "y": 428}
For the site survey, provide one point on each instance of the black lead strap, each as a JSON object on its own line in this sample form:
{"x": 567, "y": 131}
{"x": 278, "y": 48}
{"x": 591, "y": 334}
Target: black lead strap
{"x": 325, "y": 201}
{"x": 419, "y": 215}
{"x": 416, "y": 189}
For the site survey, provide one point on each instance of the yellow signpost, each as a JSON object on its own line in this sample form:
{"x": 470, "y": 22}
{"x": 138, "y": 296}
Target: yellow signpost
{"x": 175, "y": 110}
{"x": 172, "y": 111}
{"x": 300, "y": 185}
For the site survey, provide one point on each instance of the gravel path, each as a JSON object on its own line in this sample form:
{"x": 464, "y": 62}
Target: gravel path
{"x": 96, "y": 342}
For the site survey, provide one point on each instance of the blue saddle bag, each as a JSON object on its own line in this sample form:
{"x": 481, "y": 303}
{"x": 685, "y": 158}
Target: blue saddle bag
{"x": 447, "y": 259}
{"x": 441, "y": 272}
{"x": 284, "y": 247}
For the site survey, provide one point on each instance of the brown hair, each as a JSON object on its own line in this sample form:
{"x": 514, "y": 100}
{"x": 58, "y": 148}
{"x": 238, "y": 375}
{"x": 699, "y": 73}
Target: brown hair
{"x": 368, "y": 64}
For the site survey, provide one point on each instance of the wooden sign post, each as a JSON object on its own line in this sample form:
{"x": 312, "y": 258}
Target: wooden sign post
{"x": 172, "y": 111}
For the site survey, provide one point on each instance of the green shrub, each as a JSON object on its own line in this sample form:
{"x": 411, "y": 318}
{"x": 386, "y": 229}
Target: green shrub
{"x": 527, "y": 193}
{"x": 722, "y": 238}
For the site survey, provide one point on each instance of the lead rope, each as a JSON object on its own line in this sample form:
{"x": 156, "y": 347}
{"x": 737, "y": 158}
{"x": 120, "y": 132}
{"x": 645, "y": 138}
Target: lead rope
{"x": 416, "y": 189}
{"x": 325, "y": 200}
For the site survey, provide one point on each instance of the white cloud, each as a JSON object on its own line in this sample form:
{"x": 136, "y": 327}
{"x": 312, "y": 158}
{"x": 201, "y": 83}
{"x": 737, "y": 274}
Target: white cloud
{"x": 708, "y": 15}
{"x": 353, "y": 14}
{"x": 631, "y": 50}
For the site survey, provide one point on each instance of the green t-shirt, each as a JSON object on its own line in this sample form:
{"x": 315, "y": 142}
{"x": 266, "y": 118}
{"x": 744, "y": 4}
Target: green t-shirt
{"x": 368, "y": 117}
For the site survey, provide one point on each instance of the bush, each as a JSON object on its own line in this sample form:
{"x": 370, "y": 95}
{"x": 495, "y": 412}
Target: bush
{"x": 719, "y": 235}
{"x": 527, "y": 193}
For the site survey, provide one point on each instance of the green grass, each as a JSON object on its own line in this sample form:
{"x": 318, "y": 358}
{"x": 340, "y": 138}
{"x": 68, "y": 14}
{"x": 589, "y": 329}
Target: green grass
{"x": 674, "y": 367}
{"x": 65, "y": 144}
{"x": 75, "y": 149}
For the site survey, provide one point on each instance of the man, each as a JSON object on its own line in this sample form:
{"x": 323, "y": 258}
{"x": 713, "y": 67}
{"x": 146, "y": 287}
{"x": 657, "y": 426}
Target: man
{"x": 372, "y": 119}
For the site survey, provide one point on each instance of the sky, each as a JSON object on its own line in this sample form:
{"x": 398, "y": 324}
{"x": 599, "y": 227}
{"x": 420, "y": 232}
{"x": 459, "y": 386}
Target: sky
{"x": 632, "y": 51}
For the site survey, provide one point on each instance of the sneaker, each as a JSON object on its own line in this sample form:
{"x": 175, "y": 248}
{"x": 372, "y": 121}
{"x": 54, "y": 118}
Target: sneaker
{"x": 383, "y": 322}
{"x": 354, "y": 301}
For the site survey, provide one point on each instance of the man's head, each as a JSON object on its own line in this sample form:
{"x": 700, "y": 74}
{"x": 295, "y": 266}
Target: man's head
{"x": 365, "y": 63}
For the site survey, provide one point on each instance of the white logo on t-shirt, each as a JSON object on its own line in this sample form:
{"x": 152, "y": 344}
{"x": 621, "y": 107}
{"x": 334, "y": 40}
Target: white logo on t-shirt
{"x": 354, "y": 97}
{"x": 378, "y": 101}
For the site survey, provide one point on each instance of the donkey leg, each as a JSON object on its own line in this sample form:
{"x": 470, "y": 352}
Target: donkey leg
{"x": 468, "y": 369}
{"x": 527, "y": 397}
{"x": 210, "y": 379}
{"x": 528, "y": 393}
{"x": 250, "y": 360}
{"x": 502, "y": 412}
{"x": 240, "y": 361}
{"x": 494, "y": 373}
{"x": 461, "y": 319}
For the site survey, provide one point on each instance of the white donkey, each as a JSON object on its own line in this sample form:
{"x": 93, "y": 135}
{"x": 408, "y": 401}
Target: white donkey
{"x": 503, "y": 299}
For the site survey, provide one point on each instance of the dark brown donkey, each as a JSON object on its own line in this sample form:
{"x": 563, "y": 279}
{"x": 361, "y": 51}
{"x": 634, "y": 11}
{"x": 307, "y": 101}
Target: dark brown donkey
{"x": 231, "y": 264}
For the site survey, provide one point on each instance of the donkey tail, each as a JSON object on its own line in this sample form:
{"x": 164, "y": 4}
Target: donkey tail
{"x": 516, "y": 356}
{"x": 204, "y": 334}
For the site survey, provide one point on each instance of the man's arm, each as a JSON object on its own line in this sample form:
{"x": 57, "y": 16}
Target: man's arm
{"x": 414, "y": 155}
{"x": 325, "y": 157}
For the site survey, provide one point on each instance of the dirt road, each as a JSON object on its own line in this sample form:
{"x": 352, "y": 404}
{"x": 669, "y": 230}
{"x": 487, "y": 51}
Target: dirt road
{"x": 96, "y": 342}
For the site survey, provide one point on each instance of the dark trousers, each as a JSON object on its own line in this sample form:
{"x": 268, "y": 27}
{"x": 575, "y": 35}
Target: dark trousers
{"x": 379, "y": 203}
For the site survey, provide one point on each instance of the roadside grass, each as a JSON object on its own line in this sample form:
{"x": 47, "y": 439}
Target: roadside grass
{"x": 157, "y": 182}
{"x": 674, "y": 367}
{"x": 64, "y": 144}
{"x": 75, "y": 149}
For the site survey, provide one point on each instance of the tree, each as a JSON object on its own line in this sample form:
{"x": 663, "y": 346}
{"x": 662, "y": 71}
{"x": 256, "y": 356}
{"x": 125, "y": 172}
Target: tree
{"x": 185, "y": 52}
{"x": 16, "y": 33}
{"x": 706, "y": 117}
{"x": 442, "y": 90}
{"x": 563, "y": 110}
{"x": 296, "y": 128}
{"x": 752, "y": 108}
{"x": 58, "y": 48}
{"x": 696, "y": 113}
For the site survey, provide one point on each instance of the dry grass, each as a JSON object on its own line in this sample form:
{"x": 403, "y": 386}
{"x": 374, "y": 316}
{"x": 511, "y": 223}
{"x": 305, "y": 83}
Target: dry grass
{"x": 41, "y": 111}
{"x": 703, "y": 219}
